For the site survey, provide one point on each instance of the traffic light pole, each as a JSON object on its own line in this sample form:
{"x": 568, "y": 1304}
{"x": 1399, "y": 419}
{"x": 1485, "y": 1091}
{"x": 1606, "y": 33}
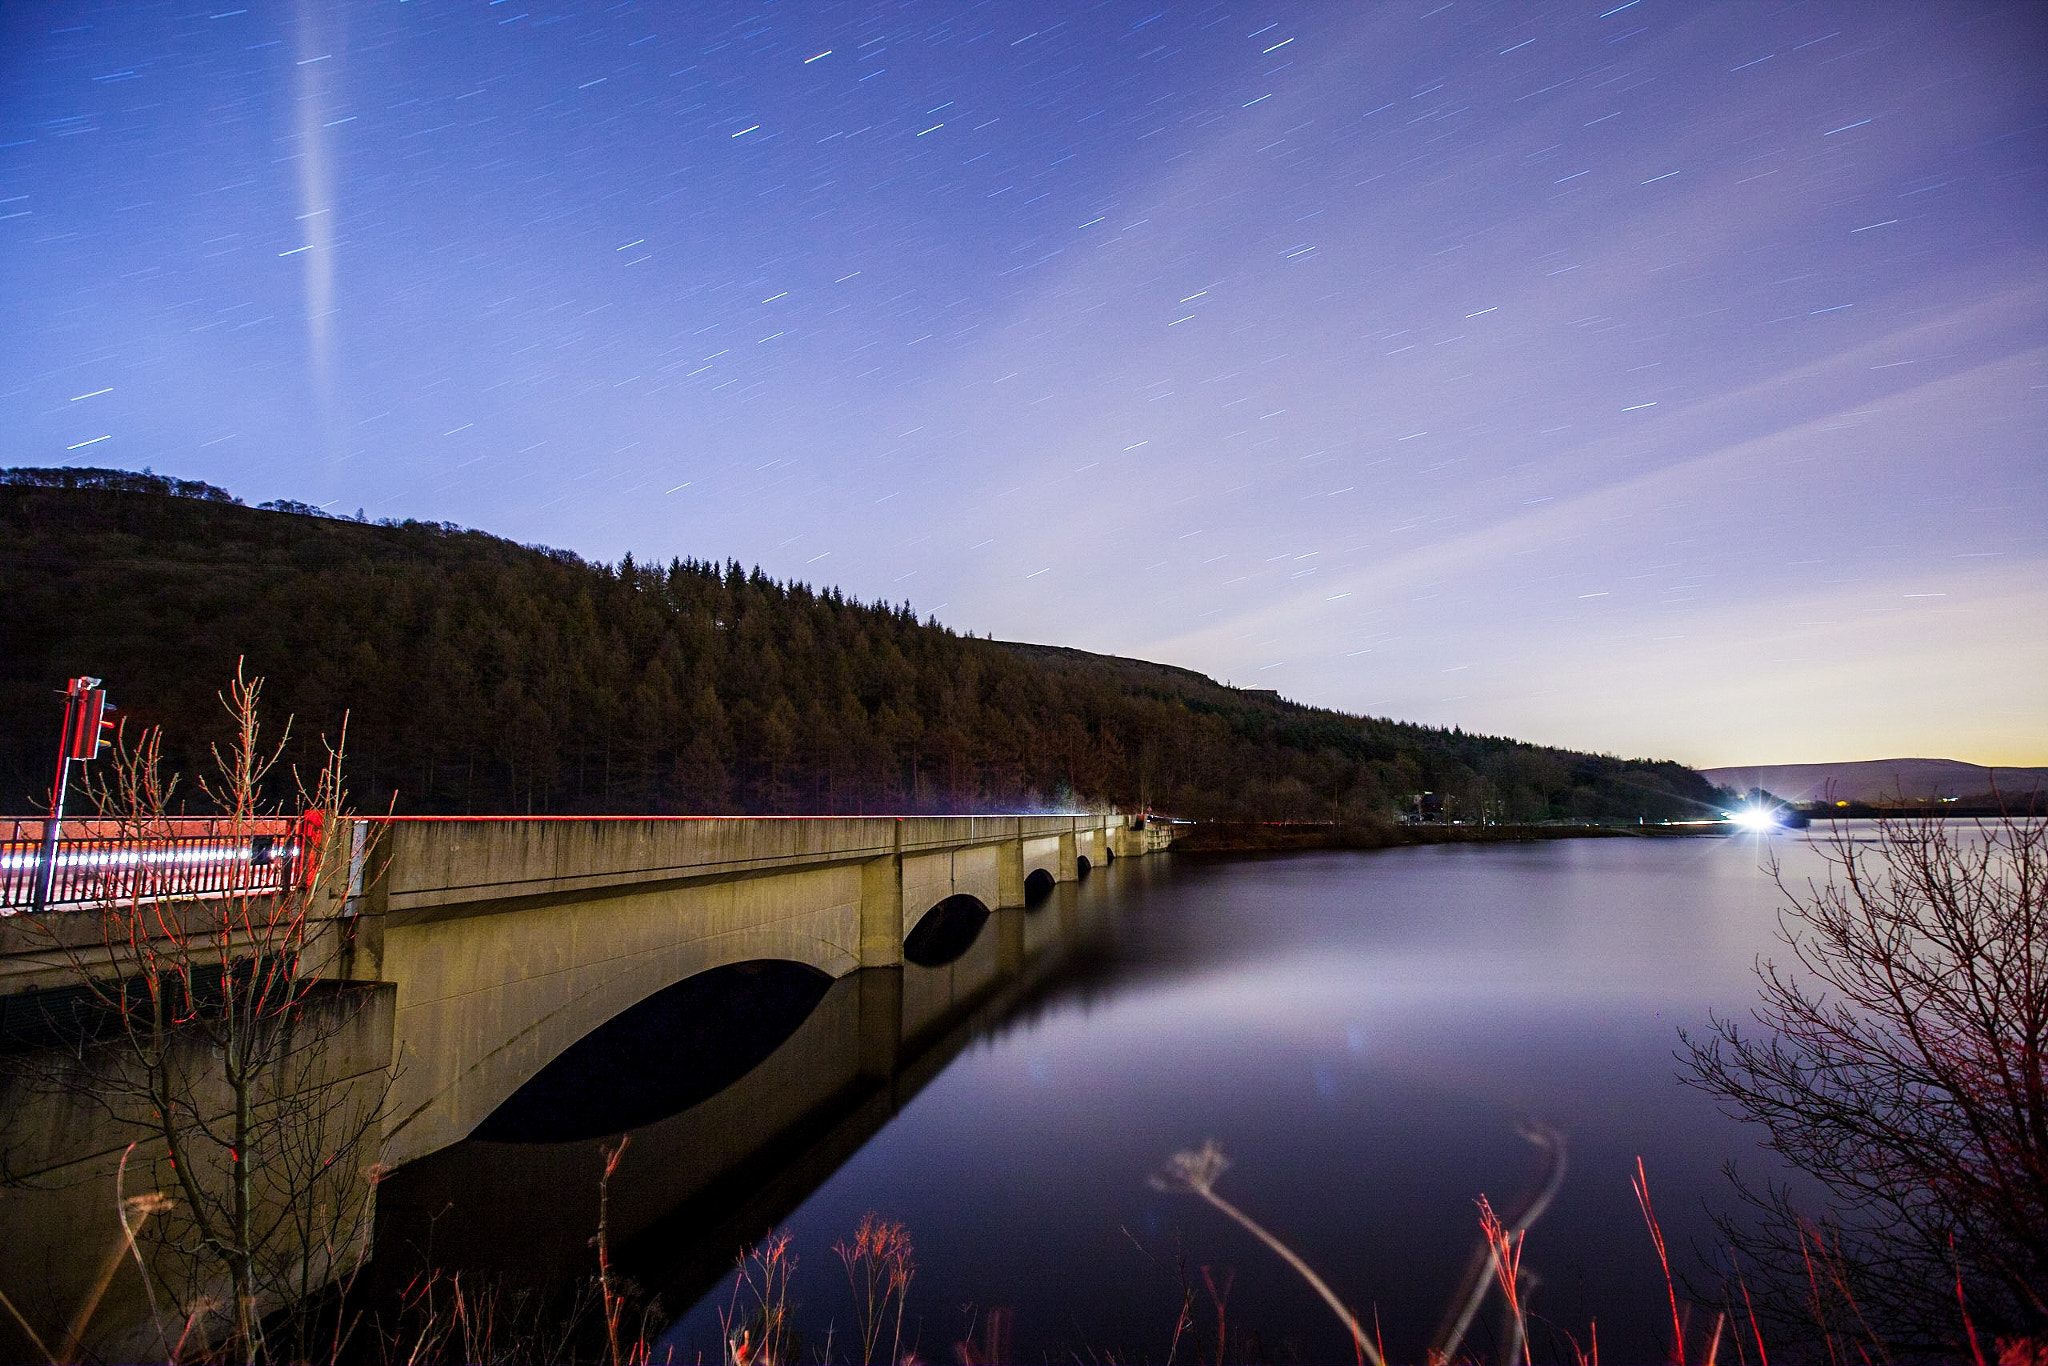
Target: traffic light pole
{"x": 46, "y": 866}
{"x": 84, "y": 712}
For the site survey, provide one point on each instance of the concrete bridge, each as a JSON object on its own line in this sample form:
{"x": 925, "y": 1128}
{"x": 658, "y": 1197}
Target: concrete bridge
{"x": 489, "y": 949}
{"x": 510, "y": 940}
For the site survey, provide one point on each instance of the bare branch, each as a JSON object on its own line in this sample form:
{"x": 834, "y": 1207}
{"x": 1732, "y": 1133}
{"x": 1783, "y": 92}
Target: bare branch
{"x": 1899, "y": 1061}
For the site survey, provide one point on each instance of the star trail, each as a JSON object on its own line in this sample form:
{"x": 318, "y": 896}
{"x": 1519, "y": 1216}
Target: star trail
{"x": 1656, "y": 378}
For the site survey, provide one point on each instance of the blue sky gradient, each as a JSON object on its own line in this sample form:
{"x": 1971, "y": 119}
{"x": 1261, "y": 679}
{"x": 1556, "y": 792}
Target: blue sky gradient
{"x": 1658, "y": 378}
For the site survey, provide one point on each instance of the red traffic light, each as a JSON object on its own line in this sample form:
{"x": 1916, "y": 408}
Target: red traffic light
{"x": 92, "y": 722}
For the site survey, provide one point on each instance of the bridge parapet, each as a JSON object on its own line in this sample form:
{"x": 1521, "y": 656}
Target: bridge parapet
{"x": 434, "y": 863}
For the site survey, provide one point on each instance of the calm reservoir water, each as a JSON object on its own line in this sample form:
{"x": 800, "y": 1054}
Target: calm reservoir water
{"x": 1360, "y": 1032}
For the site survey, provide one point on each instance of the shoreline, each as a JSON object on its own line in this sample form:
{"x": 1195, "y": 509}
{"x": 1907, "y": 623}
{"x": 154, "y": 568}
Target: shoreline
{"x": 1254, "y": 837}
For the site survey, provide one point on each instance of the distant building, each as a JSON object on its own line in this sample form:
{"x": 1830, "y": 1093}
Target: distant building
{"x": 1425, "y": 806}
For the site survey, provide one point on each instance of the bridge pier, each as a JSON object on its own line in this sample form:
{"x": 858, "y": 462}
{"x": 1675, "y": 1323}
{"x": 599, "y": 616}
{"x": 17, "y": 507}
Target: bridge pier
{"x": 881, "y": 912}
{"x": 1009, "y": 875}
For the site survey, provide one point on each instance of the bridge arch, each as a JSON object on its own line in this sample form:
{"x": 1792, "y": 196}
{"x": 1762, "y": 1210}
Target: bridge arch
{"x": 487, "y": 999}
{"x": 1082, "y": 867}
{"x": 1038, "y": 885}
{"x": 662, "y": 1055}
{"x": 1043, "y": 854}
{"x": 946, "y": 931}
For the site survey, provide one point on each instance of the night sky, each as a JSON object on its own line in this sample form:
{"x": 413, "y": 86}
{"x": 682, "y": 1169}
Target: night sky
{"x": 1657, "y": 377}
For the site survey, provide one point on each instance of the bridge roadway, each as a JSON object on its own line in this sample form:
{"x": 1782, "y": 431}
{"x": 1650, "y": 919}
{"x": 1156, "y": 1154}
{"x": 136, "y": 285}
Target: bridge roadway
{"x": 510, "y": 939}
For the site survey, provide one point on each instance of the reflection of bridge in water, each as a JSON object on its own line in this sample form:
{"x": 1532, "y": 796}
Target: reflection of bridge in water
{"x": 700, "y": 1183}
{"x": 754, "y": 997}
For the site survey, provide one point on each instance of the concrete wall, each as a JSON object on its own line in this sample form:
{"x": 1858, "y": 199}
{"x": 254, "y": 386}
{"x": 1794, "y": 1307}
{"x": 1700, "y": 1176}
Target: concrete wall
{"x": 510, "y": 940}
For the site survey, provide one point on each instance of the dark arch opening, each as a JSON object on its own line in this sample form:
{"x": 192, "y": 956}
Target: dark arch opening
{"x": 679, "y": 1047}
{"x": 1038, "y": 886}
{"x": 945, "y": 931}
{"x": 1082, "y": 865}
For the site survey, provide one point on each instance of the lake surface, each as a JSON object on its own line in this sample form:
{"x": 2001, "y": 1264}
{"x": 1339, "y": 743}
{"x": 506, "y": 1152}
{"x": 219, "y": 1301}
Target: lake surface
{"x": 1360, "y": 1032}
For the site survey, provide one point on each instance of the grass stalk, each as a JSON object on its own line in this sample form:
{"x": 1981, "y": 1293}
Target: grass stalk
{"x": 1197, "y": 1172}
{"x": 1969, "y": 1324}
{"x": 1479, "y": 1278}
{"x": 30, "y": 1332}
{"x": 614, "y": 1303}
{"x": 142, "y": 1206}
{"x": 1641, "y": 1184}
{"x": 1506, "y": 1257}
{"x": 1763, "y": 1357}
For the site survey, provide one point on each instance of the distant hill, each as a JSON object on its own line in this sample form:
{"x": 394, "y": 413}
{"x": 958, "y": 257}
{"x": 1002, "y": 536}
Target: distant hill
{"x": 483, "y": 676}
{"x": 1877, "y": 780}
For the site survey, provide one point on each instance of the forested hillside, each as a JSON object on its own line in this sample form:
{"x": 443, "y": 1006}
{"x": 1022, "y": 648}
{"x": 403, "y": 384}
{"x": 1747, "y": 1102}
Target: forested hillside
{"x": 483, "y": 676}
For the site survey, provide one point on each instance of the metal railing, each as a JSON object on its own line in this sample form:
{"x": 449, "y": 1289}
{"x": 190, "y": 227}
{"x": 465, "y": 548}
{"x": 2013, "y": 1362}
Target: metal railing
{"x": 110, "y": 862}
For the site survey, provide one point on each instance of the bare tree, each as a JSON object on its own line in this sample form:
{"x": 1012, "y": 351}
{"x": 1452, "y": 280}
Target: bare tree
{"x": 1901, "y": 1065}
{"x": 220, "y": 1037}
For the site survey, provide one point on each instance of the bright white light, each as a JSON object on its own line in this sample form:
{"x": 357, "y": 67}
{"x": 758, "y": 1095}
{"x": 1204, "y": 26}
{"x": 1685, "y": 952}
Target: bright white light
{"x": 99, "y": 874}
{"x": 212, "y": 854}
{"x": 1755, "y": 819}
